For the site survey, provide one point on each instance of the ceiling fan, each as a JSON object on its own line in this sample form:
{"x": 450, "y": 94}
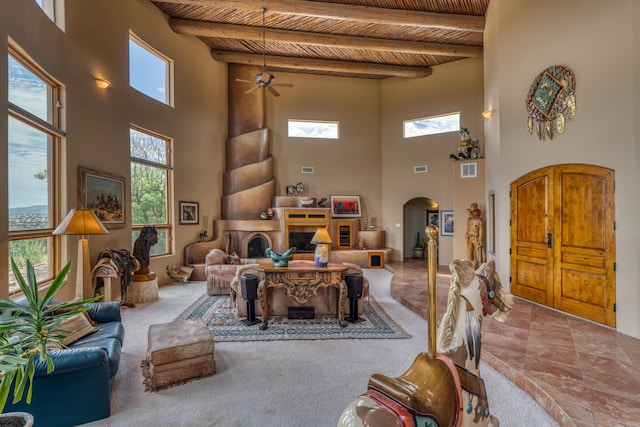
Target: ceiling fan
{"x": 264, "y": 79}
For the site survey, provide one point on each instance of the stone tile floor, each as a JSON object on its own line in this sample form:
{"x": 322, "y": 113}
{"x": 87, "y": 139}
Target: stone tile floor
{"x": 582, "y": 373}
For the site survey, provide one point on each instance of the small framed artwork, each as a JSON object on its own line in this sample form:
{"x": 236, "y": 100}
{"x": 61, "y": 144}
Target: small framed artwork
{"x": 446, "y": 223}
{"x": 345, "y": 207}
{"x": 189, "y": 213}
{"x": 104, "y": 194}
{"x": 433, "y": 218}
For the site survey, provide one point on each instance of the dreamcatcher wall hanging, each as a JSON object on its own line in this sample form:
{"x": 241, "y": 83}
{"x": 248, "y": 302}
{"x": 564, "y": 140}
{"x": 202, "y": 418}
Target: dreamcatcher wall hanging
{"x": 551, "y": 101}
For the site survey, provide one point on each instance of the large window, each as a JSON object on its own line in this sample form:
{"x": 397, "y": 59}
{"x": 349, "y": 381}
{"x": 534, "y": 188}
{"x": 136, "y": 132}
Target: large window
{"x": 151, "y": 181}
{"x": 34, "y": 138}
{"x": 432, "y": 125}
{"x": 149, "y": 71}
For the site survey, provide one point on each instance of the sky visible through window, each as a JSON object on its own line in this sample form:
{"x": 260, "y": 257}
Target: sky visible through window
{"x": 311, "y": 129}
{"x": 28, "y": 147}
{"x": 432, "y": 125}
{"x": 147, "y": 72}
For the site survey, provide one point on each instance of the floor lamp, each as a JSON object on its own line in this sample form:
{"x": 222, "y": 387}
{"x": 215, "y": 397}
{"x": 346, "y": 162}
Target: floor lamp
{"x": 82, "y": 222}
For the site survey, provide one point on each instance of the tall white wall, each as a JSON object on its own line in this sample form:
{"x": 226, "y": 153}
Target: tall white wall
{"x": 598, "y": 41}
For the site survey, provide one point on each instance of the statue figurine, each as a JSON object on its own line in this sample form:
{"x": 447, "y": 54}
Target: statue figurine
{"x": 280, "y": 260}
{"x": 141, "y": 248}
{"x": 361, "y": 244}
{"x": 475, "y": 235}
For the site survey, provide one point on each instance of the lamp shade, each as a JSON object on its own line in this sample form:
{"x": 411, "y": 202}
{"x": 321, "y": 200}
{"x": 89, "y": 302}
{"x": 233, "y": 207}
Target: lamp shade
{"x": 321, "y": 236}
{"x": 81, "y": 222}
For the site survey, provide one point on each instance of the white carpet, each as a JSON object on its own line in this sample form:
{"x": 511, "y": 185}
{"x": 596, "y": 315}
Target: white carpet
{"x": 282, "y": 383}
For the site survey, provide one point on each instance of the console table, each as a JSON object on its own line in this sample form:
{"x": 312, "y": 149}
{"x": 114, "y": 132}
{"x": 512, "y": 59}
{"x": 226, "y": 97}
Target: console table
{"x": 301, "y": 281}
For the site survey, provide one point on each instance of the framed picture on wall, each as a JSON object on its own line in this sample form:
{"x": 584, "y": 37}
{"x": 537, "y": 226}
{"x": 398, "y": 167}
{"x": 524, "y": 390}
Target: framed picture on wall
{"x": 433, "y": 218}
{"x": 189, "y": 213}
{"x": 102, "y": 193}
{"x": 345, "y": 207}
{"x": 446, "y": 223}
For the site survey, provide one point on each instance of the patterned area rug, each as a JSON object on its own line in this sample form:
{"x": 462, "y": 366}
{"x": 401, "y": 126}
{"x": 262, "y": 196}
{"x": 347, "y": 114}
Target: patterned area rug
{"x": 225, "y": 324}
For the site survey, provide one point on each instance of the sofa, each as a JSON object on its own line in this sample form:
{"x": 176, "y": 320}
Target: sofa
{"x": 324, "y": 303}
{"x": 79, "y": 389}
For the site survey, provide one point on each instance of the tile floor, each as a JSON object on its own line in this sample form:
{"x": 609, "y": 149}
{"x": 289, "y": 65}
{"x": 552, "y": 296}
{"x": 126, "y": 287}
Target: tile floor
{"x": 582, "y": 373}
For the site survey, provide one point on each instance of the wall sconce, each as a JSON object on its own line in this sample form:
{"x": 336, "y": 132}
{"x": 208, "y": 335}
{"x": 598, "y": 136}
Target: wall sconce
{"x": 102, "y": 83}
{"x": 487, "y": 114}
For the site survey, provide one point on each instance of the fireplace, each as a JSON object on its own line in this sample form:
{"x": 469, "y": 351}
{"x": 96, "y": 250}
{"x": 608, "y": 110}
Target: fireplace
{"x": 257, "y": 246}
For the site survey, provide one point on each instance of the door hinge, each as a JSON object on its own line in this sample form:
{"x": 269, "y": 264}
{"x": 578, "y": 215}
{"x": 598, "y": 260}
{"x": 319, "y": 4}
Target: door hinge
{"x": 509, "y": 193}
{"x": 614, "y": 226}
{"x": 509, "y": 251}
{"x": 549, "y": 240}
{"x": 615, "y": 308}
{"x": 509, "y": 223}
{"x": 614, "y": 266}
{"x": 509, "y": 279}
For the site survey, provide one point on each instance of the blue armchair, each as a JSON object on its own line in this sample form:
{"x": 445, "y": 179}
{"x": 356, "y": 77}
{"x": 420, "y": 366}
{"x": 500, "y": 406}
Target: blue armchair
{"x": 79, "y": 389}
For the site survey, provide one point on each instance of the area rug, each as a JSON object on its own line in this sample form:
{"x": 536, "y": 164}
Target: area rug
{"x": 224, "y": 324}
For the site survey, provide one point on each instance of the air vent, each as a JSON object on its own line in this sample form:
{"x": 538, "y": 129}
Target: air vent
{"x": 419, "y": 169}
{"x": 307, "y": 169}
{"x": 468, "y": 170}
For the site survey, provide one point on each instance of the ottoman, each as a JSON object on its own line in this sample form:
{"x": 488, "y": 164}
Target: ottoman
{"x": 178, "y": 352}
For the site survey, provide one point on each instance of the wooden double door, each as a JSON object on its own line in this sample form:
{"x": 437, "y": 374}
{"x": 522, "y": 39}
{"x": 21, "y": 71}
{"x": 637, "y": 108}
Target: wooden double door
{"x": 563, "y": 240}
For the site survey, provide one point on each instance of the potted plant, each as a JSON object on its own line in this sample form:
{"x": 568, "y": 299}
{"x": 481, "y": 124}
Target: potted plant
{"x": 29, "y": 329}
{"x": 418, "y": 249}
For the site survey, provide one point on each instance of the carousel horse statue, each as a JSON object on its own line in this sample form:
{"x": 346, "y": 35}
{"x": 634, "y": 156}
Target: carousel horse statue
{"x": 443, "y": 386}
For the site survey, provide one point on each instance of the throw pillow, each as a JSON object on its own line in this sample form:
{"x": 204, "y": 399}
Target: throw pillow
{"x": 79, "y": 325}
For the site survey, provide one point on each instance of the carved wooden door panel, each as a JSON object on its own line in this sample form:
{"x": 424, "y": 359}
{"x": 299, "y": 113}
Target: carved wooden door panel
{"x": 563, "y": 240}
{"x": 584, "y": 246}
{"x": 531, "y": 221}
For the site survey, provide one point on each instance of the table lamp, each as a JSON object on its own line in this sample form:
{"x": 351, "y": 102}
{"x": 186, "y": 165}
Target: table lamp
{"x": 82, "y": 222}
{"x": 322, "y": 241}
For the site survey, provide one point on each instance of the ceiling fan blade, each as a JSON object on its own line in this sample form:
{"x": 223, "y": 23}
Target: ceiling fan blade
{"x": 252, "y": 89}
{"x": 244, "y": 81}
{"x": 273, "y": 91}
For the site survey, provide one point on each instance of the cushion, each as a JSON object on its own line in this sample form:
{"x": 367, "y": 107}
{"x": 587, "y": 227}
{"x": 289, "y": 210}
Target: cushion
{"x": 79, "y": 325}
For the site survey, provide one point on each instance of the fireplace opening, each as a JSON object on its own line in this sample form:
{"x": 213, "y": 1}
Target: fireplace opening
{"x": 257, "y": 247}
{"x": 302, "y": 241}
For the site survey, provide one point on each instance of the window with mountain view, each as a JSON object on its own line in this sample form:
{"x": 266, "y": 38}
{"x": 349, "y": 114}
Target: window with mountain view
{"x": 34, "y": 137}
{"x": 151, "y": 181}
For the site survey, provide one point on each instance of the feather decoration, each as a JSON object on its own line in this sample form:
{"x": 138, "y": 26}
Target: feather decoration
{"x": 469, "y": 320}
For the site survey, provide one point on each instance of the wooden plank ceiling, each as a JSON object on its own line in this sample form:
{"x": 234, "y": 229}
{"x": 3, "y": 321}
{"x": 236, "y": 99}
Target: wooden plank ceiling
{"x": 372, "y": 39}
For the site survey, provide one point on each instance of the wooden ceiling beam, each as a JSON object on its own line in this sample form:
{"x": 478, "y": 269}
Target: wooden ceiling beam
{"x": 346, "y": 67}
{"x": 366, "y": 14}
{"x": 242, "y": 32}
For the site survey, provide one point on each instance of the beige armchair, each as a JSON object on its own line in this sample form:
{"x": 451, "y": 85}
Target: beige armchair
{"x": 220, "y": 272}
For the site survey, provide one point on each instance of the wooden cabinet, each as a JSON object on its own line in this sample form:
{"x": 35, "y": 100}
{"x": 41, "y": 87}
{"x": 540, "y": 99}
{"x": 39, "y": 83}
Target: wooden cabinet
{"x": 344, "y": 234}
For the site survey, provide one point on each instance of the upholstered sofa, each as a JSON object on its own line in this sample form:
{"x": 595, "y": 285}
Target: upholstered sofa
{"x": 79, "y": 389}
{"x": 324, "y": 303}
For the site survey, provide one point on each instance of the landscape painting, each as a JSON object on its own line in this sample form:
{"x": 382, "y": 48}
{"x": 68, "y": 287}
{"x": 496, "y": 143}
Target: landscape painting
{"x": 104, "y": 195}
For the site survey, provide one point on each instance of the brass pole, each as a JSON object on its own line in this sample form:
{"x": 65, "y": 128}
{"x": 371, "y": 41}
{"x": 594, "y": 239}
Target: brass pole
{"x": 432, "y": 232}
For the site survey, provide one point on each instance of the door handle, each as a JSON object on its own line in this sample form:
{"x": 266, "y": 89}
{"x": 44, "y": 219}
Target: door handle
{"x": 549, "y": 240}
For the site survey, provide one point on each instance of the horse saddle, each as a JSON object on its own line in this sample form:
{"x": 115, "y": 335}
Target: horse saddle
{"x": 430, "y": 389}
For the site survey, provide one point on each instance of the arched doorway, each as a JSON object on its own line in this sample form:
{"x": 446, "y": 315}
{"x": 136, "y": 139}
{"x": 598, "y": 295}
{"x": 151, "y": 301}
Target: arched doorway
{"x": 416, "y": 213}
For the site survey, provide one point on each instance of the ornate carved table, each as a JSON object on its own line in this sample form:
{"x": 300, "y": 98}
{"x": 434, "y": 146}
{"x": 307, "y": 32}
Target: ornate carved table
{"x": 301, "y": 282}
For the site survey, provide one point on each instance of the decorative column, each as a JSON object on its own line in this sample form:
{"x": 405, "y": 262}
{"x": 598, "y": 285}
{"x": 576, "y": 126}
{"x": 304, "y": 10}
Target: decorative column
{"x": 248, "y": 181}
